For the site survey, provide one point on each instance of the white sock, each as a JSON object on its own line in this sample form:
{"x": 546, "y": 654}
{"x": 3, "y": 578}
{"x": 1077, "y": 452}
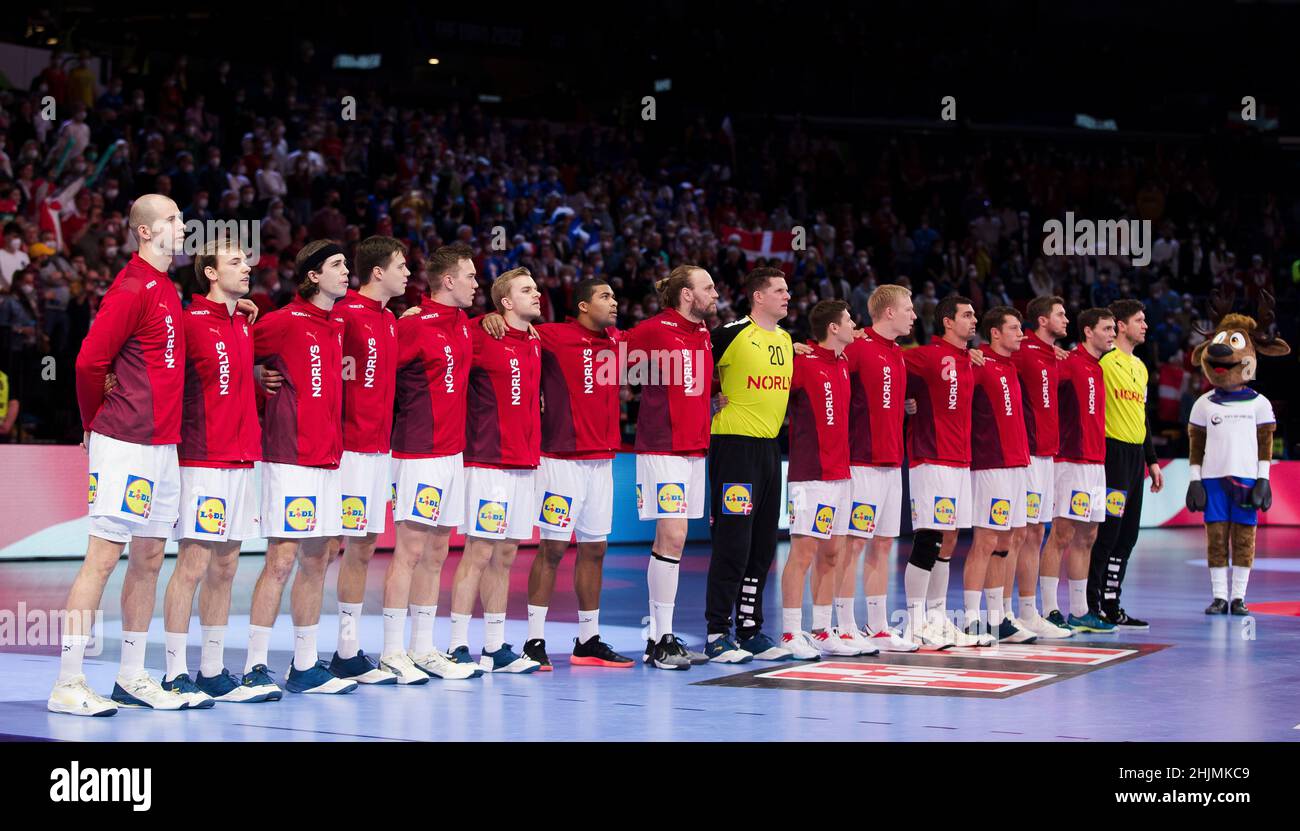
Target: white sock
{"x": 937, "y": 593}
{"x": 305, "y": 654}
{"x": 972, "y": 607}
{"x": 536, "y": 621}
{"x": 1240, "y": 577}
{"x": 662, "y": 617}
{"x": 133, "y": 646}
{"x": 821, "y": 617}
{"x": 175, "y": 643}
{"x": 459, "y": 631}
{"x": 259, "y": 643}
{"x": 74, "y": 650}
{"x": 394, "y": 629}
{"x": 916, "y": 585}
{"x": 494, "y": 630}
{"x": 349, "y": 640}
{"x": 1219, "y": 582}
{"x": 792, "y": 620}
{"x": 651, "y": 629}
{"x": 212, "y": 656}
{"x": 661, "y": 575}
{"x": 844, "y": 619}
{"x": 588, "y": 625}
{"x": 1079, "y": 597}
{"x": 422, "y": 618}
{"x": 915, "y": 615}
{"x": 713, "y": 636}
{"x": 1048, "y": 586}
{"x": 993, "y": 599}
{"x": 877, "y": 614}
{"x": 1028, "y": 609}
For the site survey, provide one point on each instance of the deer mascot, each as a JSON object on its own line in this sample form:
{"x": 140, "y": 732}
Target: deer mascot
{"x": 1231, "y": 436}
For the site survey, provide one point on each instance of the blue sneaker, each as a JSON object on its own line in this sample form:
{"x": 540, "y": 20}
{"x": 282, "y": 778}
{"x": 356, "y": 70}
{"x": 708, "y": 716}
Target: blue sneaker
{"x": 461, "y": 656}
{"x": 723, "y": 650}
{"x": 259, "y": 680}
{"x": 182, "y": 685}
{"x": 318, "y": 679}
{"x": 505, "y": 660}
{"x": 361, "y": 668}
{"x": 224, "y": 687}
{"x": 1057, "y": 619}
{"x": 1091, "y": 623}
{"x": 764, "y": 648}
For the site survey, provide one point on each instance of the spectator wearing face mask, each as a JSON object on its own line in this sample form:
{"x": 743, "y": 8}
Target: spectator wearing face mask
{"x": 13, "y": 258}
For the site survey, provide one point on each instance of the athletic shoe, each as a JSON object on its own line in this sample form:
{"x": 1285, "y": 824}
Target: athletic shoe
{"x": 980, "y": 633}
{"x": 224, "y": 687}
{"x": 668, "y": 653}
{"x": 1239, "y": 607}
{"x": 1010, "y": 632}
{"x": 1058, "y": 619}
{"x": 461, "y": 656}
{"x": 829, "y": 644}
{"x": 505, "y": 660}
{"x": 259, "y": 680}
{"x": 1045, "y": 629}
{"x": 724, "y": 650}
{"x": 317, "y": 680}
{"x": 887, "y": 640}
{"x": 1091, "y": 623}
{"x": 1218, "y": 607}
{"x": 764, "y": 648}
{"x": 75, "y": 697}
{"x": 596, "y": 653}
{"x": 199, "y": 700}
{"x": 535, "y": 650}
{"x": 696, "y": 658}
{"x": 853, "y": 640}
{"x": 1123, "y": 620}
{"x": 951, "y": 633}
{"x": 801, "y": 648}
{"x": 929, "y": 637}
{"x": 362, "y": 669}
{"x": 401, "y": 669}
{"x": 140, "y": 691}
{"x": 437, "y": 664}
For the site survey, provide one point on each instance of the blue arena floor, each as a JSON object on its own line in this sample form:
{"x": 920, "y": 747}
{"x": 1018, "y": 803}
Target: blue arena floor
{"x": 1189, "y": 678}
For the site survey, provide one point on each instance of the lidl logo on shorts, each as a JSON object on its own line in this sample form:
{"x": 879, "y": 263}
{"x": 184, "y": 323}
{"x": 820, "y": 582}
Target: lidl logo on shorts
{"x": 138, "y": 496}
{"x": 94, "y": 488}
{"x": 912, "y": 504}
{"x": 491, "y": 517}
{"x": 671, "y": 498}
{"x": 945, "y": 510}
{"x": 1033, "y": 504}
{"x": 639, "y": 500}
{"x": 354, "y": 513}
{"x": 1000, "y": 512}
{"x": 556, "y": 510}
{"x": 210, "y": 518}
{"x": 300, "y": 513}
{"x": 428, "y": 501}
{"x": 393, "y": 496}
{"x": 789, "y": 510}
{"x": 863, "y": 518}
{"x": 1080, "y": 504}
{"x": 824, "y": 519}
{"x": 1115, "y": 501}
{"x": 737, "y": 498}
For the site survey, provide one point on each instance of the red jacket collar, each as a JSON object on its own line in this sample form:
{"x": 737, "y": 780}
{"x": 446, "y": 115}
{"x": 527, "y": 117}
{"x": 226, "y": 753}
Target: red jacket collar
{"x": 202, "y": 303}
{"x": 821, "y": 353}
{"x": 1084, "y": 353}
{"x": 358, "y": 297}
{"x": 680, "y": 319}
{"x": 300, "y": 305}
{"x": 428, "y": 305}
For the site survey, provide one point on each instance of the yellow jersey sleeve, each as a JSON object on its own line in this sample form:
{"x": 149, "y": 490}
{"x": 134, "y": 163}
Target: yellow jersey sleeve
{"x": 1125, "y": 377}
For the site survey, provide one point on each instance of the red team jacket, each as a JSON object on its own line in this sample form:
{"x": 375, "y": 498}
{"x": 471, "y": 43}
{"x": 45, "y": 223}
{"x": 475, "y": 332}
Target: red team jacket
{"x": 879, "y": 380}
{"x": 1039, "y": 377}
{"x": 370, "y": 341}
{"x": 219, "y": 419}
{"x": 939, "y": 377}
{"x": 579, "y": 403}
{"x": 434, "y": 351}
{"x": 997, "y": 420}
{"x": 675, "y": 414}
{"x": 819, "y": 409}
{"x": 505, "y": 429}
{"x": 303, "y": 421}
{"x": 137, "y": 335}
{"x": 1082, "y": 397}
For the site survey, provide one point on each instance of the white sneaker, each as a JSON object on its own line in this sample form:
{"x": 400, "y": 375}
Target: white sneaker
{"x": 440, "y": 665}
{"x": 887, "y": 640}
{"x": 1020, "y": 633}
{"x": 1044, "y": 628}
{"x": 951, "y": 633}
{"x": 142, "y": 691}
{"x": 829, "y": 644}
{"x": 799, "y": 646}
{"x": 403, "y": 667}
{"x": 853, "y": 639}
{"x": 75, "y": 697}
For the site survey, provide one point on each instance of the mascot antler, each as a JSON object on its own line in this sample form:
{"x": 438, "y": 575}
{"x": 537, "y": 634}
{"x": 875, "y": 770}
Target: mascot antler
{"x": 1220, "y": 305}
{"x": 1263, "y": 333}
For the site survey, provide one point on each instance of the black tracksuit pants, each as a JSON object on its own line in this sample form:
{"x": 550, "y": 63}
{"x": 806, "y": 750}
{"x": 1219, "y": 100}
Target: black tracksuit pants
{"x": 1125, "y": 471}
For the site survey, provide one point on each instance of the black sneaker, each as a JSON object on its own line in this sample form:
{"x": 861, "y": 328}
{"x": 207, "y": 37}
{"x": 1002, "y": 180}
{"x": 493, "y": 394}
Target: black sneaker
{"x": 670, "y": 654}
{"x": 696, "y": 658}
{"x": 649, "y": 654}
{"x": 535, "y": 650}
{"x": 1239, "y": 606}
{"x": 1123, "y": 620}
{"x": 1218, "y": 607}
{"x": 596, "y": 653}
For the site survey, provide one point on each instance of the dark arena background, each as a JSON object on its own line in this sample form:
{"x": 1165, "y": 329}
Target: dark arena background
{"x": 852, "y": 145}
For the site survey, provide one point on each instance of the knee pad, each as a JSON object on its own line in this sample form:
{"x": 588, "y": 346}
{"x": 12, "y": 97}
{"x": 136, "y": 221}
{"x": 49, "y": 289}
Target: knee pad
{"x": 926, "y": 544}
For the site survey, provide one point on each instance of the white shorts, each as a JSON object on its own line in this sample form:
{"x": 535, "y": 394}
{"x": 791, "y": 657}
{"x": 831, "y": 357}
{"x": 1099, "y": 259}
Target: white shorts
{"x": 218, "y": 505}
{"x": 1040, "y": 491}
{"x": 300, "y": 502}
{"x": 429, "y": 491}
{"x": 499, "y": 503}
{"x": 364, "y": 479}
{"x": 1081, "y": 492}
{"x": 670, "y": 486}
{"x": 135, "y": 489}
{"x": 820, "y": 509}
{"x": 999, "y": 497}
{"x": 877, "y": 501}
{"x": 941, "y": 497}
{"x": 575, "y": 497}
